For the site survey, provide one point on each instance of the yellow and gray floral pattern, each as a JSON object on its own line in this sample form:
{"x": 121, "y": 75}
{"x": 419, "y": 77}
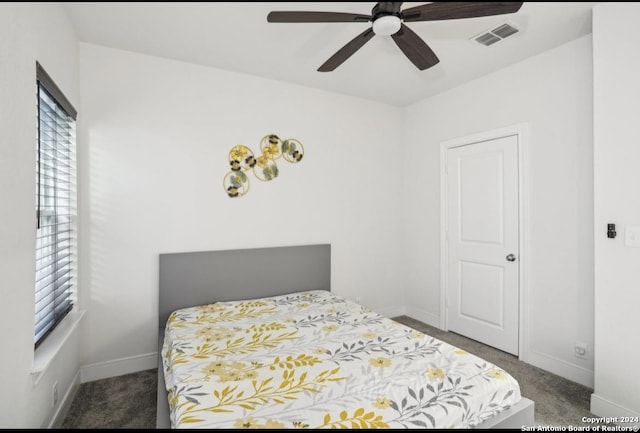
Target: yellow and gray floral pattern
{"x": 316, "y": 360}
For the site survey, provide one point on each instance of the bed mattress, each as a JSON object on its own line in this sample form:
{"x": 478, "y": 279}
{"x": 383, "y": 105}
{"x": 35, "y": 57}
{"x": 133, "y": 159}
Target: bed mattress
{"x": 316, "y": 360}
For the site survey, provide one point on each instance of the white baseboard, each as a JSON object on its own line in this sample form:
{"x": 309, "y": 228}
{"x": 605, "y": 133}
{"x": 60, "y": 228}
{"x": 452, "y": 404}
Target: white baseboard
{"x": 65, "y": 404}
{"x": 607, "y": 409}
{"x": 390, "y": 311}
{"x": 424, "y": 316}
{"x": 573, "y": 372}
{"x": 118, "y": 367}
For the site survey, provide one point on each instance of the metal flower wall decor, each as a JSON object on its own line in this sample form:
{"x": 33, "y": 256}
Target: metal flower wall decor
{"x": 264, "y": 167}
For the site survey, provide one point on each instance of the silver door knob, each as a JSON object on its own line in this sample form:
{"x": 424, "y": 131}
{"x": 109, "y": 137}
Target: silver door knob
{"x": 511, "y": 258}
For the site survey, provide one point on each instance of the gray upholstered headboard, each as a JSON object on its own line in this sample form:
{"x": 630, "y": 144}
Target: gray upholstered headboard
{"x": 197, "y": 278}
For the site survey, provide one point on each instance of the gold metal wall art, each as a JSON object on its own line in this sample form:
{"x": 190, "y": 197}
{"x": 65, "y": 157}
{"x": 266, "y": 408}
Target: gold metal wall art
{"x": 264, "y": 167}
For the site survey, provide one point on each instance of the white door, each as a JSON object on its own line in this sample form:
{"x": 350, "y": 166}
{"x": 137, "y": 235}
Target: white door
{"x": 482, "y": 233}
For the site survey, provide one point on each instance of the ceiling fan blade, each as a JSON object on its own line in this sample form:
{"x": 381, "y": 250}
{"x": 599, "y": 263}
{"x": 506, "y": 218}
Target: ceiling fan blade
{"x": 316, "y": 17}
{"x": 415, "y": 48}
{"x": 347, "y": 51}
{"x": 455, "y": 10}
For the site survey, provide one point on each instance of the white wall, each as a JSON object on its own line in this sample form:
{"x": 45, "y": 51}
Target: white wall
{"x": 616, "y": 36}
{"x": 552, "y": 93}
{"x": 157, "y": 134}
{"x": 28, "y": 32}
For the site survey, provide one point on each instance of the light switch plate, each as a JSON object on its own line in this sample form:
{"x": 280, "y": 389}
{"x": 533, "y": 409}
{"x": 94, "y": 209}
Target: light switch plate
{"x": 632, "y": 236}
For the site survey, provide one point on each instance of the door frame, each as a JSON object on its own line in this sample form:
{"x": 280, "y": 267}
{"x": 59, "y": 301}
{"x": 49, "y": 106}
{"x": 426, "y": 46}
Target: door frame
{"x": 521, "y": 132}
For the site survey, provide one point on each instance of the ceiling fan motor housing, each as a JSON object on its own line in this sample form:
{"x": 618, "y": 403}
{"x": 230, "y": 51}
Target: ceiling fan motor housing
{"x": 385, "y": 8}
{"x": 386, "y": 18}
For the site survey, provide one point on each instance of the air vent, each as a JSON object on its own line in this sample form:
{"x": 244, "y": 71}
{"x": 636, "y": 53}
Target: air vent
{"x": 504, "y": 31}
{"x": 487, "y": 39}
{"x": 501, "y": 32}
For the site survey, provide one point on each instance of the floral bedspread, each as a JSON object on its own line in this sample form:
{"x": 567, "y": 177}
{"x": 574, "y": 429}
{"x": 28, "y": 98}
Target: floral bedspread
{"x": 316, "y": 360}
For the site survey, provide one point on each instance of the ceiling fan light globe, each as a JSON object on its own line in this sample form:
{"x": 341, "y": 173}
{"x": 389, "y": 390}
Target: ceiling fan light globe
{"x": 386, "y": 25}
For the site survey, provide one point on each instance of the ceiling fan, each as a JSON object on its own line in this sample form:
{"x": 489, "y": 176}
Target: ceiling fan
{"x": 388, "y": 20}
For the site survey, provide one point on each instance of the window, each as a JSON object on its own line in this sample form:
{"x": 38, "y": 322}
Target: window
{"x": 55, "y": 207}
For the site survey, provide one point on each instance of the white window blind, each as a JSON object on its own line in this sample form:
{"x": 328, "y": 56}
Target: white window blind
{"x": 56, "y": 207}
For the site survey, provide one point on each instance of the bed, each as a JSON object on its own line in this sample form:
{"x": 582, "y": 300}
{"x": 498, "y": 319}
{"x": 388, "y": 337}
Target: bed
{"x": 255, "y": 338}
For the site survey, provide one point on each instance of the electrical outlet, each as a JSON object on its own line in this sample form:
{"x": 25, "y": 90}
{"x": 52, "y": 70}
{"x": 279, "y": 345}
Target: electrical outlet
{"x": 580, "y": 350}
{"x": 54, "y": 394}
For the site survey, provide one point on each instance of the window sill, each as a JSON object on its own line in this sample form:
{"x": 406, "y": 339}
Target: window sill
{"x": 48, "y": 350}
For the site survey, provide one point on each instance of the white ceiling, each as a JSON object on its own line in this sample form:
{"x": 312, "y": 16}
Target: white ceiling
{"x": 237, "y": 37}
